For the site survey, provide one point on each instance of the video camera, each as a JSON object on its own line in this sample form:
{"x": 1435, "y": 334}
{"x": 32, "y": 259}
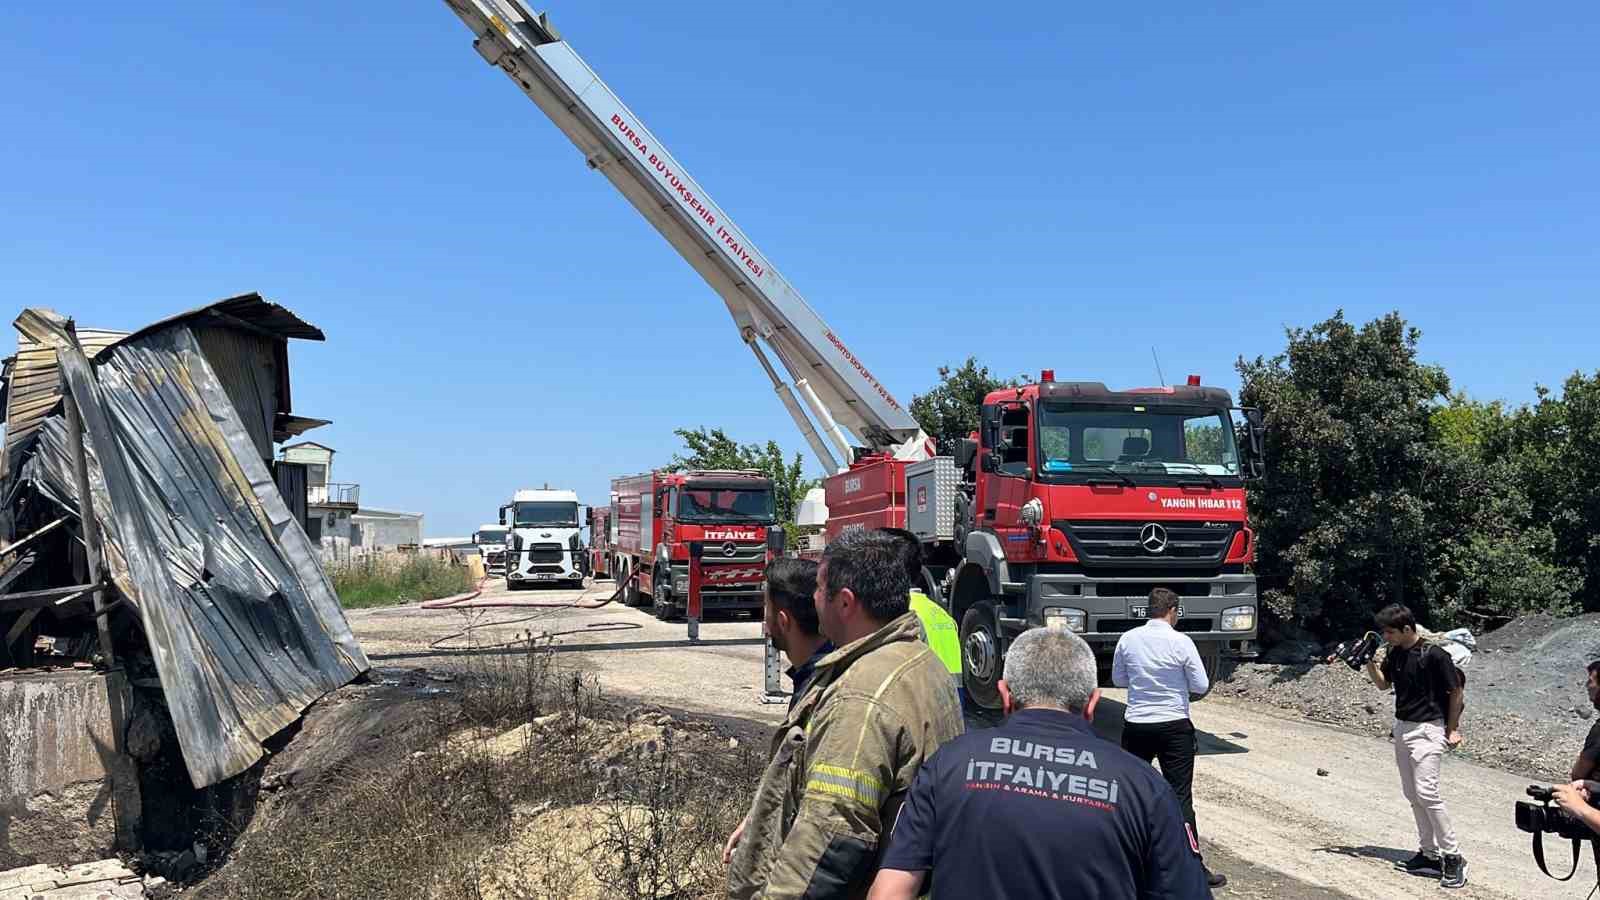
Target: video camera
{"x": 1540, "y": 819}
{"x": 1357, "y": 653}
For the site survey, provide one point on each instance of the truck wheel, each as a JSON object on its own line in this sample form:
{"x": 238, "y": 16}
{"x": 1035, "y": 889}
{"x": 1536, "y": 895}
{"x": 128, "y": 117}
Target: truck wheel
{"x": 981, "y": 655}
{"x": 1211, "y": 658}
{"x": 663, "y": 606}
{"x": 633, "y": 596}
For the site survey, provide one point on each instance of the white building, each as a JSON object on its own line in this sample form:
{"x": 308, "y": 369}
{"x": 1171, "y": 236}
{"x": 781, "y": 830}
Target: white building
{"x": 385, "y": 529}
{"x": 335, "y": 517}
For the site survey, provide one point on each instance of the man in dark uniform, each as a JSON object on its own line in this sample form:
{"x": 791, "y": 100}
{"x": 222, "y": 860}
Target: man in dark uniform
{"x": 1041, "y": 806}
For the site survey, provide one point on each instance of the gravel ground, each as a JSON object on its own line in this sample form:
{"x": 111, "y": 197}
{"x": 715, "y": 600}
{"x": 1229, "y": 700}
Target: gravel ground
{"x": 1526, "y": 712}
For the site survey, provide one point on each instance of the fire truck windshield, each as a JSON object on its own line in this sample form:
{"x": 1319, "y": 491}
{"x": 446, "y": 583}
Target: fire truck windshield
{"x": 1150, "y": 444}
{"x": 549, "y": 515}
{"x": 724, "y": 505}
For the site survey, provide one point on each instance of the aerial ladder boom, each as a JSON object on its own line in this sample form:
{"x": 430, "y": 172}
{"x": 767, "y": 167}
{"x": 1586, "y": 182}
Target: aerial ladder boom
{"x": 827, "y": 383}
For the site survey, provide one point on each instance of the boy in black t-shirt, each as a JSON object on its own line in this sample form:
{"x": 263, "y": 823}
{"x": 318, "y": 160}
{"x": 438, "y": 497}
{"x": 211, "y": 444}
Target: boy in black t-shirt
{"x": 1428, "y": 697}
{"x": 1588, "y": 764}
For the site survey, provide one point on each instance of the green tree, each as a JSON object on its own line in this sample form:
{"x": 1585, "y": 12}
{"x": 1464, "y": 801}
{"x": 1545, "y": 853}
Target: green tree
{"x": 1554, "y": 445}
{"x": 949, "y": 411}
{"x": 1342, "y": 518}
{"x": 1383, "y": 487}
{"x": 1469, "y": 425}
{"x": 714, "y": 449}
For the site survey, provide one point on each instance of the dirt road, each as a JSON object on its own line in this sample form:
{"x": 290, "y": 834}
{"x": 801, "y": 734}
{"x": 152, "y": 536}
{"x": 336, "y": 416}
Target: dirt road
{"x": 1258, "y": 794}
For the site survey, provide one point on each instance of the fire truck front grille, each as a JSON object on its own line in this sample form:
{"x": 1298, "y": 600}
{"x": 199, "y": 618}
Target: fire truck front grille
{"x": 1149, "y": 540}
{"x": 740, "y": 553}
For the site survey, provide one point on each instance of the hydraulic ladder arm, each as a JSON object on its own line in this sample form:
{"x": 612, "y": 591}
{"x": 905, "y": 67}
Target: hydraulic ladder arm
{"x": 837, "y": 389}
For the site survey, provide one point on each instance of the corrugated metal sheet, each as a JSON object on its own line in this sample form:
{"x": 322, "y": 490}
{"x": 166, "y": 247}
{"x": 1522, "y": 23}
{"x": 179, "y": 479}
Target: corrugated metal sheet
{"x": 247, "y": 364}
{"x": 249, "y": 310}
{"x": 242, "y": 621}
{"x": 235, "y": 333}
{"x": 33, "y": 389}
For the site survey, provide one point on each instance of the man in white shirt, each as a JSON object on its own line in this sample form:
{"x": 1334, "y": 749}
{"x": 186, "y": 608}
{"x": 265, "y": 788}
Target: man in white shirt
{"x": 1161, "y": 668}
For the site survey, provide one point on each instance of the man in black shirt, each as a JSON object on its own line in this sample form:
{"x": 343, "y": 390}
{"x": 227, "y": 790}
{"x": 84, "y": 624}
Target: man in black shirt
{"x": 1041, "y": 807}
{"x": 1588, "y": 764}
{"x": 1428, "y": 697}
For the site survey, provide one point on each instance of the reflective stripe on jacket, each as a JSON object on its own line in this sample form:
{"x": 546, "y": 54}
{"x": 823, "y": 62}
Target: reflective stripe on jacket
{"x": 841, "y": 763}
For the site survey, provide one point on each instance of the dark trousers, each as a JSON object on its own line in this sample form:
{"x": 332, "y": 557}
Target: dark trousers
{"x": 1174, "y": 745}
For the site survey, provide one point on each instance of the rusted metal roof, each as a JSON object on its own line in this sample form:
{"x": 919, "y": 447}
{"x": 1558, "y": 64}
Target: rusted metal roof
{"x": 32, "y": 382}
{"x": 246, "y": 311}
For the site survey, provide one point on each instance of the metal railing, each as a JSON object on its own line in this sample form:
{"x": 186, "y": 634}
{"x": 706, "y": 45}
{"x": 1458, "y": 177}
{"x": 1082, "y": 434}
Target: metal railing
{"x": 333, "y": 492}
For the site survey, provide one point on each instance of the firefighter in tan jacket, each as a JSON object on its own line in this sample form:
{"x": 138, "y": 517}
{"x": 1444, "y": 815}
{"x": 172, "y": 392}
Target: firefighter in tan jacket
{"x": 844, "y": 758}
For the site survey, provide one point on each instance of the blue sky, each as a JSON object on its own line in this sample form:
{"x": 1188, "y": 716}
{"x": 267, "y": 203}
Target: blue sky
{"x": 1039, "y": 185}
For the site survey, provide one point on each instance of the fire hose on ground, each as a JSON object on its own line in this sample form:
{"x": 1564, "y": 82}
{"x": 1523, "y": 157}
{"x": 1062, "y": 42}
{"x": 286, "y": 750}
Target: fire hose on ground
{"x": 772, "y": 689}
{"x": 471, "y": 601}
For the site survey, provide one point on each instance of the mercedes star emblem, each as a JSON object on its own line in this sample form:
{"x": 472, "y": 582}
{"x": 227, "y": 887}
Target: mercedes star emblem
{"x": 1153, "y": 538}
{"x": 730, "y": 549}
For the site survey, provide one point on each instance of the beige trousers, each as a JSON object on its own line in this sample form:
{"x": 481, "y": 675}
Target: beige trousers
{"x": 1418, "y": 749}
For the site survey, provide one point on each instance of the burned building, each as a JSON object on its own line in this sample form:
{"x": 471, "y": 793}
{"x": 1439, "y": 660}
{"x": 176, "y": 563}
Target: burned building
{"x": 145, "y": 531}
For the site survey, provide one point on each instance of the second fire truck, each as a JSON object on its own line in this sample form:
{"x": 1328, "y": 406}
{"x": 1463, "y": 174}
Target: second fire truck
{"x": 660, "y": 518}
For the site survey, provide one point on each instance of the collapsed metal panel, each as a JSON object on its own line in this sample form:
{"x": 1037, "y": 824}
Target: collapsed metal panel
{"x": 33, "y": 389}
{"x": 241, "y": 619}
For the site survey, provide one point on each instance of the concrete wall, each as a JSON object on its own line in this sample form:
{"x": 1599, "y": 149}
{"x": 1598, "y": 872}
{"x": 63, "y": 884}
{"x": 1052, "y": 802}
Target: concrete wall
{"x": 63, "y": 787}
{"x": 383, "y": 530}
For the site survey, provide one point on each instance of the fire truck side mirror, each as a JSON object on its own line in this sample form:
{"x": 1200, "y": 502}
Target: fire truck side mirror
{"x": 776, "y": 540}
{"x": 966, "y": 451}
{"x": 1254, "y": 433}
{"x": 991, "y": 463}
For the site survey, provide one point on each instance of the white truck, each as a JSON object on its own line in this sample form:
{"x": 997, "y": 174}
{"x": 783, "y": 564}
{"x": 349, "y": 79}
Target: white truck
{"x": 545, "y": 544}
{"x": 491, "y": 543}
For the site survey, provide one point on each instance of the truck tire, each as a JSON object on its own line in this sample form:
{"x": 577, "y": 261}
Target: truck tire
{"x": 981, "y": 655}
{"x": 633, "y": 596}
{"x": 661, "y": 602}
{"x": 1211, "y": 658}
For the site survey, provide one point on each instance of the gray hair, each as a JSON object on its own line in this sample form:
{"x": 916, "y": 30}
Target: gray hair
{"x": 1051, "y": 667}
{"x": 872, "y": 565}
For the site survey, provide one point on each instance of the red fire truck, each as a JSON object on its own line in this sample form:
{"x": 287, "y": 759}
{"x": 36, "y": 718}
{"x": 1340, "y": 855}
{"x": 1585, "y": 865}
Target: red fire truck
{"x": 661, "y": 518}
{"x": 1066, "y": 508}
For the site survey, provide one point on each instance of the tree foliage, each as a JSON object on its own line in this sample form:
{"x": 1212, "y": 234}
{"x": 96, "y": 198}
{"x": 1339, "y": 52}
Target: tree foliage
{"x": 1384, "y": 487}
{"x": 714, "y": 449}
{"x": 948, "y": 412}
{"x": 1554, "y": 444}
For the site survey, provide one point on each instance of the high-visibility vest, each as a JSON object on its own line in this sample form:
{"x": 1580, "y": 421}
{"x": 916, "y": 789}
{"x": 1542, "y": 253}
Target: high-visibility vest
{"x": 940, "y": 631}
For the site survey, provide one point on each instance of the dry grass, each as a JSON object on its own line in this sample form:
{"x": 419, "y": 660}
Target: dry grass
{"x": 589, "y": 805}
{"x": 388, "y": 579}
